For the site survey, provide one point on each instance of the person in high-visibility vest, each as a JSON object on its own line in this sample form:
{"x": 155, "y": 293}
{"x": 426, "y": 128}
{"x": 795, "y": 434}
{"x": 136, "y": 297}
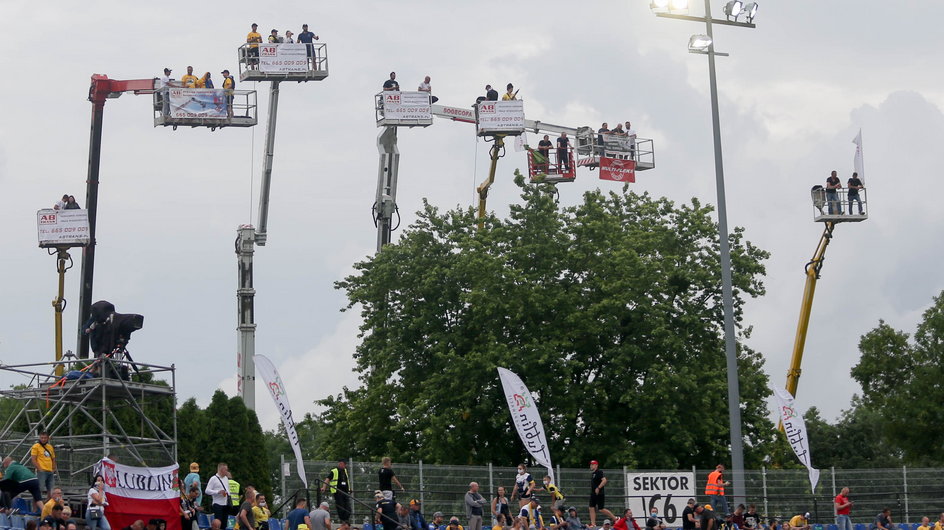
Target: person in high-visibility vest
{"x": 338, "y": 485}
{"x": 233, "y": 493}
{"x": 714, "y": 489}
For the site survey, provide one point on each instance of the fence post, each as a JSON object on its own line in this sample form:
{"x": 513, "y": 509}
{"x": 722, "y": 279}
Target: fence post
{"x": 625, "y": 490}
{"x": 491, "y": 481}
{"x": 350, "y": 485}
{"x": 763, "y": 481}
{"x": 904, "y": 477}
{"x": 422, "y": 501}
{"x": 557, "y": 478}
{"x": 282, "y": 474}
{"x": 832, "y": 472}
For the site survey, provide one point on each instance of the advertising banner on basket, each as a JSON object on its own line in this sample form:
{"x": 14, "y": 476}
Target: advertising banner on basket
{"x": 795, "y": 430}
{"x": 62, "y": 228}
{"x": 276, "y": 387}
{"x": 140, "y": 493}
{"x": 501, "y": 115}
{"x": 204, "y": 103}
{"x": 282, "y": 58}
{"x": 617, "y": 169}
{"x": 406, "y": 106}
{"x": 669, "y": 492}
{"x": 527, "y": 419}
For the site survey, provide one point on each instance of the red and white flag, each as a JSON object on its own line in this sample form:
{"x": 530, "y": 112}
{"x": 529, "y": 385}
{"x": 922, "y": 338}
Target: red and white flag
{"x": 141, "y": 493}
{"x": 857, "y": 162}
{"x": 617, "y": 169}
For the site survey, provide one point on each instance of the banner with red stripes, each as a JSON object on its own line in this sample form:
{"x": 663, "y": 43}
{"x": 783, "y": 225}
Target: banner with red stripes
{"x": 617, "y": 169}
{"x": 141, "y": 493}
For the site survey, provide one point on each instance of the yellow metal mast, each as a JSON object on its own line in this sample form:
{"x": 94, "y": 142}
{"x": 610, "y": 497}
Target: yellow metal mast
{"x": 495, "y": 154}
{"x": 812, "y": 274}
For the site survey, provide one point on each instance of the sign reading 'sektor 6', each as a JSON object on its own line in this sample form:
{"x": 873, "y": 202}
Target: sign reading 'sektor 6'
{"x": 501, "y": 116}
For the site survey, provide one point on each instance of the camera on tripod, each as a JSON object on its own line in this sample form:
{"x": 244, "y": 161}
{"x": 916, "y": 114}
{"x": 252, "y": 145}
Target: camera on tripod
{"x": 109, "y": 333}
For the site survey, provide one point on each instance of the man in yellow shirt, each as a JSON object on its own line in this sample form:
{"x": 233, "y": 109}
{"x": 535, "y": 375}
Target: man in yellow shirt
{"x": 43, "y": 456}
{"x": 260, "y": 511}
{"x": 189, "y": 80}
{"x": 509, "y": 95}
{"x": 800, "y": 522}
{"x": 253, "y": 38}
{"x": 939, "y": 524}
{"x": 54, "y": 499}
{"x": 925, "y": 524}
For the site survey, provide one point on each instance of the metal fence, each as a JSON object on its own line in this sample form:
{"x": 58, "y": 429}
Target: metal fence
{"x": 910, "y": 493}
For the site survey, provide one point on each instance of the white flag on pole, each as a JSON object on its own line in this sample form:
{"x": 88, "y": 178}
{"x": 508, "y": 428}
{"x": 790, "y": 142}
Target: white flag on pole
{"x": 795, "y": 429}
{"x": 273, "y": 382}
{"x": 525, "y": 416}
{"x": 857, "y": 164}
{"x": 520, "y": 141}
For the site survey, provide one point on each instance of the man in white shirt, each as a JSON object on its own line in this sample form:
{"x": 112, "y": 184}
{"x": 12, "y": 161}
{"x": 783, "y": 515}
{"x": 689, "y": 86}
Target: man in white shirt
{"x": 631, "y": 137}
{"x": 425, "y": 87}
{"x": 218, "y": 487}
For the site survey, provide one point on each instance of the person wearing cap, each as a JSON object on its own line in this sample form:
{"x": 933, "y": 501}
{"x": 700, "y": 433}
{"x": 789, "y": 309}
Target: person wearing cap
{"x": 571, "y": 521}
{"x": 454, "y": 524}
{"x": 307, "y": 38}
{"x": 229, "y": 85}
{"x": 320, "y": 518}
{"x": 337, "y": 484}
{"x": 509, "y": 95}
{"x": 530, "y": 515}
{"x": 253, "y": 38}
{"x": 193, "y": 478}
{"x": 417, "y": 521}
{"x": 801, "y": 521}
{"x": 274, "y": 37}
{"x": 438, "y": 523}
{"x": 607, "y": 524}
{"x": 298, "y": 517}
{"x": 205, "y": 81}
{"x": 597, "y": 491}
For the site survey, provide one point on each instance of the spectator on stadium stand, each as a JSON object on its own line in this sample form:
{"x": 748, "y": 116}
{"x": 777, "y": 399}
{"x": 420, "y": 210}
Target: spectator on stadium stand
{"x": 320, "y": 518}
{"x": 245, "y": 518}
{"x": 557, "y": 497}
{"x": 654, "y": 521}
{"x": 500, "y": 505}
{"x": 607, "y": 524}
{"x": 66, "y": 513}
{"x": 260, "y": 510}
{"x": 438, "y": 522}
{"x": 714, "y": 487}
{"x": 490, "y": 93}
{"x": 43, "y": 454}
{"x": 403, "y": 517}
{"x": 597, "y": 483}
{"x": 392, "y": 84}
{"x": 55, "y": 518}
{"x": 54, "y": 498}
{"x": 737, "y": 518}
{"x": 939, "y": 524}
{"x": 97, "y": 500}
{"x": 298, "y": 516}
{"x": 454, "y": 524}
{"x": 499, "y": 522}
{"x": 571, "y": 521}
{"x": 17, "y": 479}
{"x": 688, "y": 515}
{"x": 474, "y": 506}
{"x": 137, "y": 525}
{"x": 752, "y": 519}
{"x": 386, "y": 475}
{"x": 626, "y": 522}
{"x": 253, "y": 38}
{"x": 188, "y": 508}
{"x": 707, "y": 520}
{"x": 288, "y": 37}
{"x": 925, "y": 524}
{"x": 193, "y": 478}
{"x": 800, "y": 521}
{"x": 205, "y": 81}
{"x": 166, "y": 79}
{"x": 274, "y": 37}
{"x": 843, "y": 507}
{"x": 883, "y": 521}
{"x": 218, "y": 488}
{"x": 234, "y": 492}
{"x": 417, "y": 521}
{"x": 387, "y": 509}
{"x": 510, "y": 93}
{"x": 71, "y": 205}
{"x": 60, "y": 205}
{"x": 524, "y": 486}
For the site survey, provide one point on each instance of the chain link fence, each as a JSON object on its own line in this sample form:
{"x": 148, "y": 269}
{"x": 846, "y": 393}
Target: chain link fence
{"x": 911, "y": 493}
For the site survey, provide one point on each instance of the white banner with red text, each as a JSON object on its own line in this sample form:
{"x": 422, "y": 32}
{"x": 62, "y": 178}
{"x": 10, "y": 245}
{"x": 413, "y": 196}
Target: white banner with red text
{"x": 406, "y": 105}
{"x": 282, "y": 58}
{"x": 140, "y": 493}
{"x": 795, "y": 430}
{"x": 617, "y": 169}
{"x": 527, "y": 419}
{"x": 273, "y": 381}
{"x": 501, "y": 116}
{"x": 62, "y": 228}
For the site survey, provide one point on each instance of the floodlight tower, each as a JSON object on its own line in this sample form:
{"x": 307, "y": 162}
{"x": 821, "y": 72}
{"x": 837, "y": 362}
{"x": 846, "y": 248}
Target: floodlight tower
{"x": 273, "y": 63}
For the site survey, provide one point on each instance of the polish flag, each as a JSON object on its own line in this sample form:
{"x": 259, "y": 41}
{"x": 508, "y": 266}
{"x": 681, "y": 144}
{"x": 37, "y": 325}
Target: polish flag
{"x": 141, "y": 493}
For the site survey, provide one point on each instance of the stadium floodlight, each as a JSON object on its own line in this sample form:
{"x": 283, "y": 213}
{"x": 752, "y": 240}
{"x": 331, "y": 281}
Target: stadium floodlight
{"x": 659, "y": 6}
{"x": 733, "y": 9}
{"x": 678, "y": 6}
{"x": 750, "y": 11}
{"x": 699, "y": 43}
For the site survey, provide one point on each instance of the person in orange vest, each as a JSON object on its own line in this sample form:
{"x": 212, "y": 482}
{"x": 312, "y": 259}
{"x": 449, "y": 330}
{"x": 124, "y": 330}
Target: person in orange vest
{"x": 714, "y": 489}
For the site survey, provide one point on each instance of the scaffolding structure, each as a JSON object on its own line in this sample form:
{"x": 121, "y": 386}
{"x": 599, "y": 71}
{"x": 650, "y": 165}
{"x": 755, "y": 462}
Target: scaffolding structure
{"x": 103, "y": 412}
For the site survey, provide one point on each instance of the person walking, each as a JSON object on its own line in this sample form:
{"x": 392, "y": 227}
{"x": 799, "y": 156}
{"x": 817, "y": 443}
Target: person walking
{"x": 474, "y": 501}
{"x": 597, "y": 492}
{"x": 714, "y": 489}
{"x": 338, "y": 485}
{"x": 387, "y": 478}
{"x": 320, "y": 517}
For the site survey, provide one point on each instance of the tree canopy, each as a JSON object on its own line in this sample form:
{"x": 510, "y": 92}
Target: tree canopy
{"x": 610, "y": 311}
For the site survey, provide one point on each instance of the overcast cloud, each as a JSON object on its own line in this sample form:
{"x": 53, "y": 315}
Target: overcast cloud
{"x": 795, "y": 91}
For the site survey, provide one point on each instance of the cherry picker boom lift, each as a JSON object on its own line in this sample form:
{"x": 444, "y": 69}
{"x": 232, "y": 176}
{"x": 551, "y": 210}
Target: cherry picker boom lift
{"x": 832, "y": 216}
{"x": 494, "y": 120}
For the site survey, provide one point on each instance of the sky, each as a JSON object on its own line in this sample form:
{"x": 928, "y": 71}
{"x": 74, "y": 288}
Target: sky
{"x": 793, "y": 94}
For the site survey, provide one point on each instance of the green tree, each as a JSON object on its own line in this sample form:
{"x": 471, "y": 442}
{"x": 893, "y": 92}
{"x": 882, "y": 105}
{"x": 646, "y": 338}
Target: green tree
{"x": 610, "y": 311}
{"x": 903, "y": 387}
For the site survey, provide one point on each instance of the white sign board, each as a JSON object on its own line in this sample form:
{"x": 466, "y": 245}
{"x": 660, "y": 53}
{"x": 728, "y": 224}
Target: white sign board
{"x": 457, "y": 113}
{"x": 62, "y": 228}
{"x": 281, "y": 58}
{"x": 501, "y": 116}
{"x": 668, "y": 492}
{"x": 205, "y": 103}
{"x": 406, "y": 105}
